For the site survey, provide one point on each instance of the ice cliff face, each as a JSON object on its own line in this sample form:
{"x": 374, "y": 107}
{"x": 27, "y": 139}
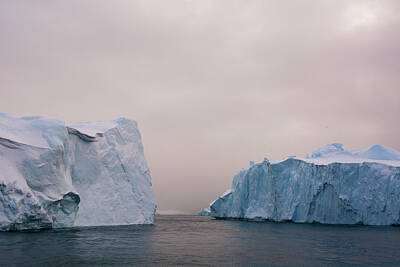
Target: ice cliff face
{"x": 333, "y": 186}
{"x": 52, "y": 175}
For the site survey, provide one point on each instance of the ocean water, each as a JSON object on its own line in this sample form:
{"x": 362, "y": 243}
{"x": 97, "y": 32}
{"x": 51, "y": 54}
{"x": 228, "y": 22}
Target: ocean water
{"x": 195, "y": 240}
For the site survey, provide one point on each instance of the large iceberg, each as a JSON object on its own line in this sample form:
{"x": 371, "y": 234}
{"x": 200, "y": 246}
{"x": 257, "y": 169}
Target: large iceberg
{"x": 86, "y": 174}
{"x": 333, "y": 186}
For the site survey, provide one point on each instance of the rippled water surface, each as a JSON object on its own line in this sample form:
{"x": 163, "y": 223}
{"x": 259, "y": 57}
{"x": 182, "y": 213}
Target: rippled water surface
{"x": 195, "y": 240}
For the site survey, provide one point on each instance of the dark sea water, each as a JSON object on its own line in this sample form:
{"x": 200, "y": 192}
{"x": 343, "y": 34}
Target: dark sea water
{"x": 195, "y": 240}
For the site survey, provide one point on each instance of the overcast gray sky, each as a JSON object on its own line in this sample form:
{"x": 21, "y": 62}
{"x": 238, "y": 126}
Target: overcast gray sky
{"x": 212, "y": 84}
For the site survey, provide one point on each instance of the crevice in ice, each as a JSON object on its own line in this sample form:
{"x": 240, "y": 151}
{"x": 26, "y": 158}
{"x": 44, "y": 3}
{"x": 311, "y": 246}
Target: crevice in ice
{"x": 82, "y": 136}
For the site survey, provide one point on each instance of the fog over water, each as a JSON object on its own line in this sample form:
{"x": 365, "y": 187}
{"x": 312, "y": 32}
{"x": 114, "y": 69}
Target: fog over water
{"x": 212, "y": 84}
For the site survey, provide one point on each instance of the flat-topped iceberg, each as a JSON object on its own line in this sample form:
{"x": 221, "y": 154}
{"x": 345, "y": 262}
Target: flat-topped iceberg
{"x": 333, "y": 186}
{"x": 85, "y": 174}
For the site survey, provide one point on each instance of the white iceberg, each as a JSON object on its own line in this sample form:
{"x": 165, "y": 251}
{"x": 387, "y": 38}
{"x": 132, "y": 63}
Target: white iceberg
{"x": 333, "y": 186}
{"x": 85, "y": 174}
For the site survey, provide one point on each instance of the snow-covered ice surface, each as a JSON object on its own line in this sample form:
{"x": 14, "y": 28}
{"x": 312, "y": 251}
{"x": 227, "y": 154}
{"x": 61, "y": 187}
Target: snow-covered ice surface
{"x": 333, "y": 186}
{"x": 86, "y": 174}
{"x": 95, "y": 127}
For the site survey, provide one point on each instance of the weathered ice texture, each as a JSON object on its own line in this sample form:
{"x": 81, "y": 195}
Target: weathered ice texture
{"x": 333, "y": 187}
{"x": 84, "y": 174}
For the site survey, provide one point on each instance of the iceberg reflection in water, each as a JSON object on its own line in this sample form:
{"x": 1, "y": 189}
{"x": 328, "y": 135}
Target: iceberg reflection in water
{"x": 196, "y": 240}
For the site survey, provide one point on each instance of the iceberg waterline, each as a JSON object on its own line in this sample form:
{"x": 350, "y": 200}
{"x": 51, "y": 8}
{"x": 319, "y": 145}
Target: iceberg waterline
{"x": 85, "y": 174}
{"x": 333, "y": 186}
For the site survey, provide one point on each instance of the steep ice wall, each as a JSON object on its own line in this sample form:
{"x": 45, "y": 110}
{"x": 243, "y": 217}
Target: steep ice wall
{"x": 111, "y": 174}
{"x": 334, "y": 186}
{"x": 57, "y": 176}
{"x": 35, "y": 187}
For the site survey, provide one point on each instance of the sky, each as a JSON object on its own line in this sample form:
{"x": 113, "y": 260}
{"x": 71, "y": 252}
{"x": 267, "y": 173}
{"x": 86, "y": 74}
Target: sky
{"x": 212, "y": 84}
